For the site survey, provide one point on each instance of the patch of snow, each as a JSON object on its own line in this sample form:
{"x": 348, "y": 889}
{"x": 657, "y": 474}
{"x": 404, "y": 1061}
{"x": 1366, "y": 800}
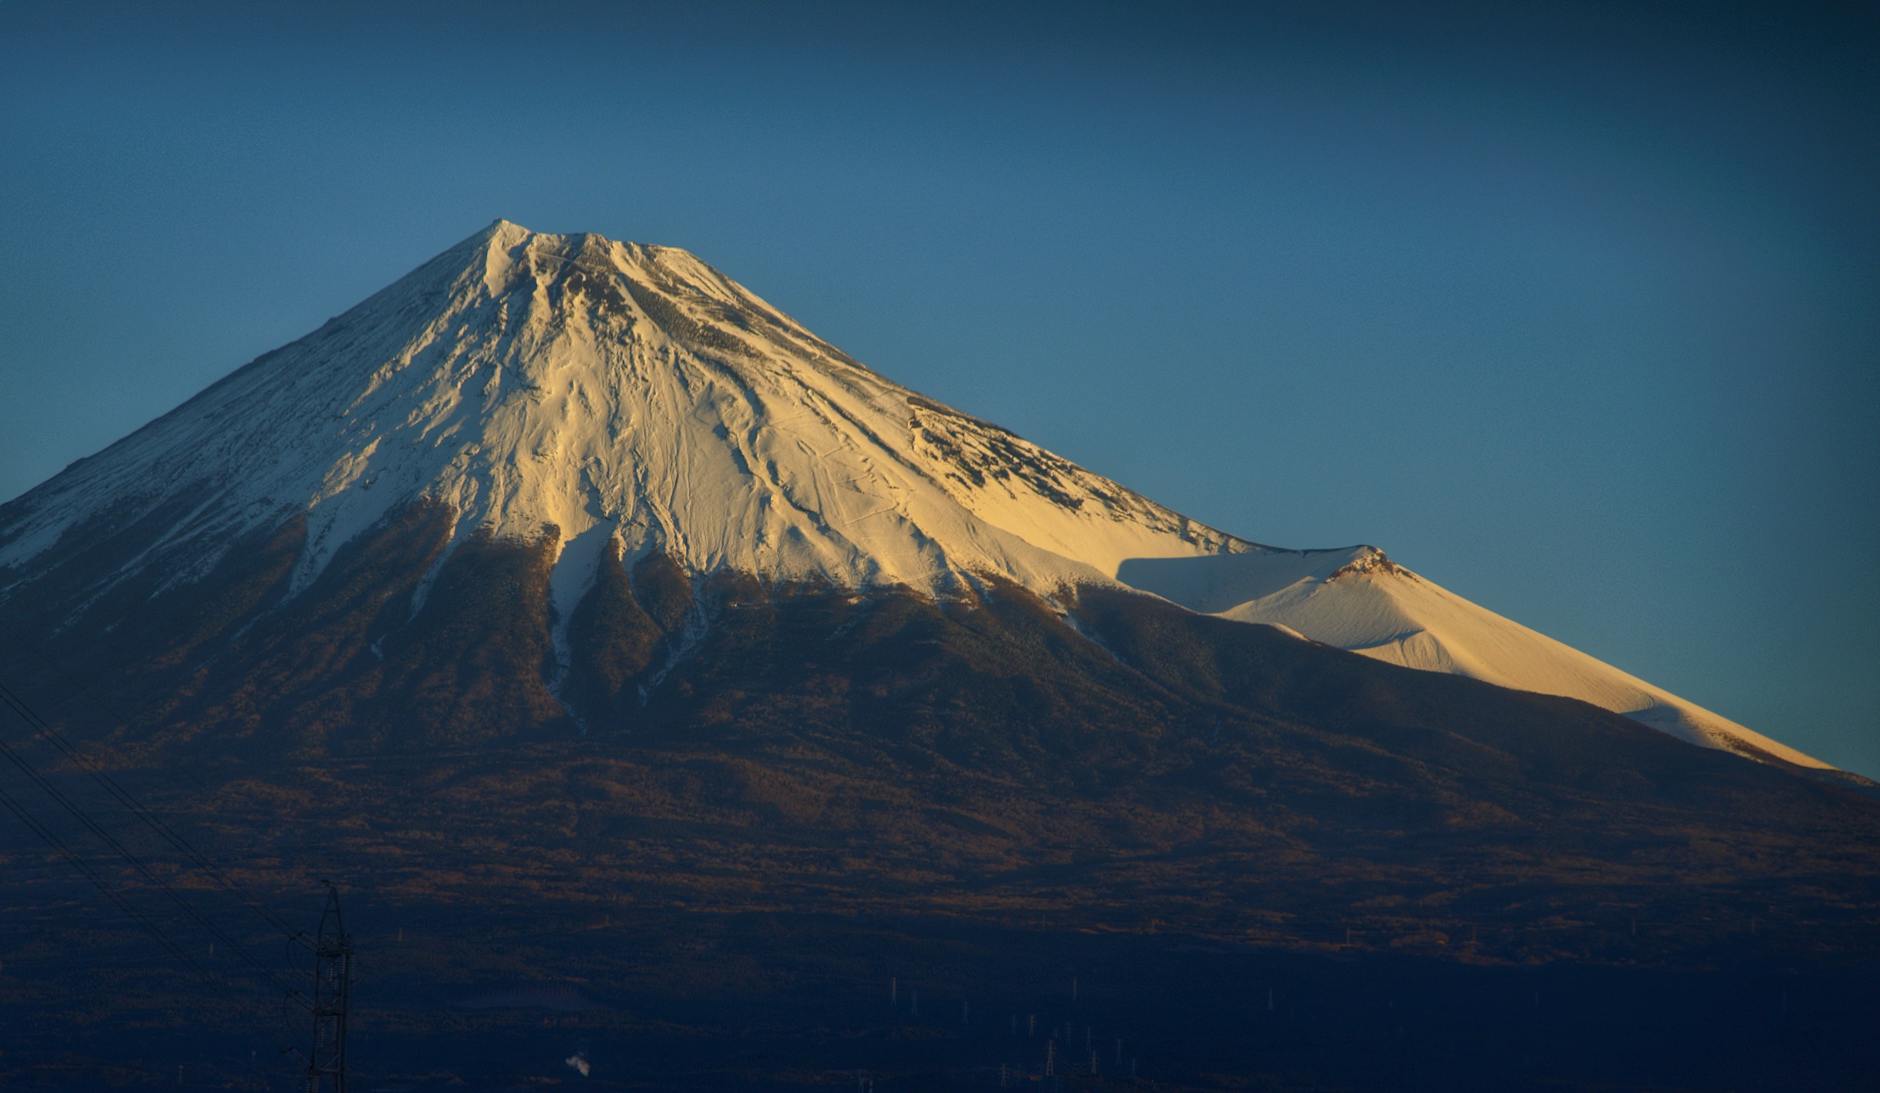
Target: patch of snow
{"x": 691, "y": 636}
{"x": 577, "y": 566}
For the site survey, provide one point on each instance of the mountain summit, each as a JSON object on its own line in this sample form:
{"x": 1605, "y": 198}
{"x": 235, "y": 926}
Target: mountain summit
{"x": 614, "y": 390}
{"x": 619, "y": 401}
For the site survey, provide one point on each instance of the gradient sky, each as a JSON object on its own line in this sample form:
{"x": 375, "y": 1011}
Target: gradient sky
{"x": 1574, "y": 311}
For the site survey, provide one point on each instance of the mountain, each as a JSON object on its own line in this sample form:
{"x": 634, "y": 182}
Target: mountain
{"x": 628, "y": 400}
{"x": 668, "y": 691}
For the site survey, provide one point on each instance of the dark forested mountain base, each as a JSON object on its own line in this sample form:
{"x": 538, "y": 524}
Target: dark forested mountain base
{"x": 695, "y": 846}
{"x": 672, "y": 999}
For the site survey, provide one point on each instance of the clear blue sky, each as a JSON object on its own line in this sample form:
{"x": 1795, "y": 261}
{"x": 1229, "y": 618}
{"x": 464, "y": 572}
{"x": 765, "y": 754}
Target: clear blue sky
{"x": 1574, "y": 311}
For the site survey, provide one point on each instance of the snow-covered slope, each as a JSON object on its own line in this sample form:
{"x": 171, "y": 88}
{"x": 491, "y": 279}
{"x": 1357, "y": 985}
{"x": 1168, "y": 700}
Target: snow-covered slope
{"x": 631, "y": 393}
{"x": 1358, "y": 599}
{"x": 612, "y": 389}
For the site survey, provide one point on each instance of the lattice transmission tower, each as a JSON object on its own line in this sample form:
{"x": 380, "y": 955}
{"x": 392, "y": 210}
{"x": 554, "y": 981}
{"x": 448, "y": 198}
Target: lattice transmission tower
{"x": 332, "y": 986}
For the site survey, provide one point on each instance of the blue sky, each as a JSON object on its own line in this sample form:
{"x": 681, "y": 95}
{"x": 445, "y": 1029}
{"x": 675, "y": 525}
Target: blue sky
{"x": 1572, "y": 309}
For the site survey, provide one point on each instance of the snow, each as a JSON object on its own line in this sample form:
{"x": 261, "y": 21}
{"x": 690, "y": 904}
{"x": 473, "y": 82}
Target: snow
{"x": 621, "y": 391}
{"x": 1390, "y": 614}
{"x": 576, "y": 565}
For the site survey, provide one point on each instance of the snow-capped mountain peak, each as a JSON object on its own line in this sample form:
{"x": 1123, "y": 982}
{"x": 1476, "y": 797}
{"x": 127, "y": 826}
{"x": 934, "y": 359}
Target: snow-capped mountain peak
{"x": 528, "y": 379}
{"x": 597, "y": 392}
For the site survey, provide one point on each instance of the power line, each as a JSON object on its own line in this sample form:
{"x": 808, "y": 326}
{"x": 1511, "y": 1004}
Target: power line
{"x": 292, "y": 999}
{"x": 209, "y": 977}
{"x": 52, "y": 839}
{"x": 143, "y": 869}
{"x": 138, "y": 809}
{"x": 93, "y": 692}
{"x": 92, "y": 695}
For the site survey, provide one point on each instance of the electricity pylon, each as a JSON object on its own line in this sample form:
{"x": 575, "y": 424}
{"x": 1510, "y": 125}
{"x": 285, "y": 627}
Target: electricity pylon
{"x": 332, "y": 986}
